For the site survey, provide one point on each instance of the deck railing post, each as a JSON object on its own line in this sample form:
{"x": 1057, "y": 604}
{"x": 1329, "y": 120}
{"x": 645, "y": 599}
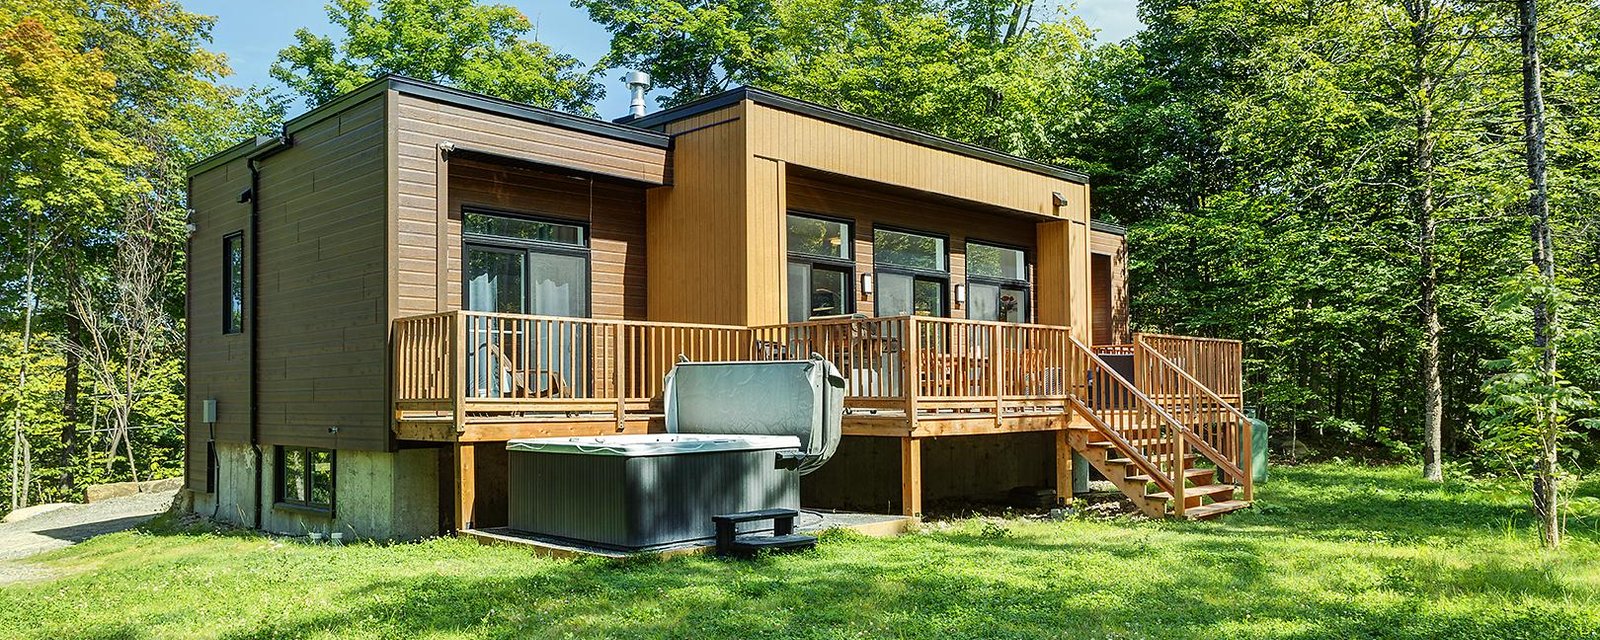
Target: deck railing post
{"x": 1247, "y": 459}
{"x": 996, "y": 377}
{"x": 1179, "y": 476}
{"x": 912, "y": 384}
{"x": 458, "y": 369}
{"x": 619, "y": 360}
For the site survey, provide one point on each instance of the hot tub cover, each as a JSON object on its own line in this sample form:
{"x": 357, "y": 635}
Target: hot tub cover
{"x": 654, "y": 444}
{"x": 799, "y": 398}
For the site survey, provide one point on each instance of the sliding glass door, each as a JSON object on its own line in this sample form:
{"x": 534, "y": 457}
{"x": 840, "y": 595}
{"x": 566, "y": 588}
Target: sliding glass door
{"x": 523, "y": 265}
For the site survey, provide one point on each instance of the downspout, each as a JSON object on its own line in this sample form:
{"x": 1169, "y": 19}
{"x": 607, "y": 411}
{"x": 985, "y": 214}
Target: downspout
{"x": 282, "y": 142}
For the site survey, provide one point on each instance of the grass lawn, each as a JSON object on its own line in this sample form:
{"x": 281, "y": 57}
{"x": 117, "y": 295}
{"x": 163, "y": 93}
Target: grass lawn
{"x": 1335, "y": 551}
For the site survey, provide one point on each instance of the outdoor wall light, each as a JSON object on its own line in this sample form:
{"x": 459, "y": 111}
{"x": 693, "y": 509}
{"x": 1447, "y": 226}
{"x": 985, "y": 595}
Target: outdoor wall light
{"x": 866, "y": 285}
{"x": 961, "y": 294}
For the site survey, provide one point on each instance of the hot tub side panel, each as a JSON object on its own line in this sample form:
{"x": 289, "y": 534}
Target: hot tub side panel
{"x": 570, "y": 496}
{"x": 672, "y": 498}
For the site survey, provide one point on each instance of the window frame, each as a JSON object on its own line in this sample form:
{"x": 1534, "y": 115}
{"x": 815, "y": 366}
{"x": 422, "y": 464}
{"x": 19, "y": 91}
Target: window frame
{"x": 229, "y": 327}
{"x": 812, "y": 262}
{"x": 942, "y": 278}
{"x": 525, "y": 247}
{"x": 309, "y": 505}
{"x": 1025, "y": 284}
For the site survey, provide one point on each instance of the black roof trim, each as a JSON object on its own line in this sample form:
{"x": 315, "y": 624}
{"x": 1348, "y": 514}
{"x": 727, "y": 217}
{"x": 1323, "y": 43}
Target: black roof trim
{"x": 1106, "y": 227}
{"x": 448, "y": 95}
{"x": 845, "y": 118}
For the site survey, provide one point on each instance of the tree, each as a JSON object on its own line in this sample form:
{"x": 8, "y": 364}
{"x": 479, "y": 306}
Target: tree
{"x": 1546, "y": 320}
{"x": 473, "y": 46}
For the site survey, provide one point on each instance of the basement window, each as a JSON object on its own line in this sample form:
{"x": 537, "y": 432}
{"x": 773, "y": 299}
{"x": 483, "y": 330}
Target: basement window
{"x": 305, "y": 478}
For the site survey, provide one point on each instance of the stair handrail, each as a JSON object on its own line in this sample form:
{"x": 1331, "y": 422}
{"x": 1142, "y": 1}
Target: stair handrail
{"x": 1161, "y": 479}
{"x": 1238, "y": 471}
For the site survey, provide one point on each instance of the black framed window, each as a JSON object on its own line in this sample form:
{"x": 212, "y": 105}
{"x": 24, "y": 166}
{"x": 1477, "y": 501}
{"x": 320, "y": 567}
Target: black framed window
{"x": 821, "y": 267}
{"x": 913, "y": 273}
{"x": 305, "y": 478}
{"x": 233, "y": 282}
{"x": 997, "y": 283}
{"x": 518, "y": 264}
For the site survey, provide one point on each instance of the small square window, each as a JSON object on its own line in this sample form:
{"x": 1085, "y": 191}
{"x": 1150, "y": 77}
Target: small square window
{"x": 305, "y": 478}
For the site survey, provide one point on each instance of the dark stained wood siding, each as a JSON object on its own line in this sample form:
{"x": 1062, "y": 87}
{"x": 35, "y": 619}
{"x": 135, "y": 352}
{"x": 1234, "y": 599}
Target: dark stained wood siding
{"x": 1109, "y": 258}
{"x": 323, "y": 307}
{"x": 869, "y": 206}
{"x": 614, "y": 212}
{"x": 422, "y": 124}
{"x": 219, "y": 364}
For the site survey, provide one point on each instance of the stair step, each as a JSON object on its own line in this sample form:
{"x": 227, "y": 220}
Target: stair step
{"x": 1214, "y": 509}
{"x": 1210, "y": 491}
{"x": 1155, "y": 458}
{"x": 1188, "y": 474}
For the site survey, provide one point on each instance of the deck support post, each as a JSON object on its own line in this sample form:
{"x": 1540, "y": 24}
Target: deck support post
{"x": 466, "y": 470}
{"x": 911, "y": 477}
{"x": 1063, "y": 467}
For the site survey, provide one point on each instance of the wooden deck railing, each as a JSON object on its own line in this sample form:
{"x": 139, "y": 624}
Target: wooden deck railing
{"x": 463, "y": 363}
{"x": 946, "y": 364}
{"x": 474, "y": 362}
{"x": 1213, "y": 362}
{"x": 1217, "y": 427}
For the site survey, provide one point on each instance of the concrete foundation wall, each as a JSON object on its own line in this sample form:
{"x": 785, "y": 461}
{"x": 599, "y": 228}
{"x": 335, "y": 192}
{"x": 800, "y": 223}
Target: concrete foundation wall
{"x": 865, "y": 474}
{"x": 377, "y": 495}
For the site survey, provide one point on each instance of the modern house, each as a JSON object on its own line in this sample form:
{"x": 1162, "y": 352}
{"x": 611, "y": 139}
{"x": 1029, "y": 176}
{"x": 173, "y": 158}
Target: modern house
{"x": 411, "y": 275}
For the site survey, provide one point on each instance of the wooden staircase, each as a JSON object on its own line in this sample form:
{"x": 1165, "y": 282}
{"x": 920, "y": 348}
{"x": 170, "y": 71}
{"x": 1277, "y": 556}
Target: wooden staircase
{"x": 1173, "y": 457}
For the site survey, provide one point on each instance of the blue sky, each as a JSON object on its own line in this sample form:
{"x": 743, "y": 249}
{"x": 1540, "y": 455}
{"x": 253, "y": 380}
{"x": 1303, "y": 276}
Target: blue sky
{"x": 251, "y": 32}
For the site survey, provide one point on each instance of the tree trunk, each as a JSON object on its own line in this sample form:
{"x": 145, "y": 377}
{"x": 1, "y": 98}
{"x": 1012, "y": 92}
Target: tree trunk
{"x": 69, "y": 403}
{"x": 1427, "y": 228}
{"x": 1545, "y": 326}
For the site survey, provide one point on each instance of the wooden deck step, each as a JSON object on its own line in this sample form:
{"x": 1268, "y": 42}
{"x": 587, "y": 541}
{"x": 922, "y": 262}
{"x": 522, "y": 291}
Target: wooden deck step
{"x": 1155, "y": 458}
{"x": 1207, "y": 512}
{"x": 1188, "y": 474}
{"x": 1209, "y": 491}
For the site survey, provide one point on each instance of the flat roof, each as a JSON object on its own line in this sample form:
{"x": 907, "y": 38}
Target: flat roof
{"x": 1106, "y": 227}
{"x": 448, "y": 95}
{"x": 851, "y": 120}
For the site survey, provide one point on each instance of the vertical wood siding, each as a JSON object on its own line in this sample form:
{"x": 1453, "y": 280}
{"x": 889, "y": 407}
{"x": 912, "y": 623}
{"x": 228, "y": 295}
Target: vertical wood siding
{"x": 1110, "y": 287}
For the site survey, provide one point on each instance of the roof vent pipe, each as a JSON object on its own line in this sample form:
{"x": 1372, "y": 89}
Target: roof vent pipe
{"x": 638, "y": 83}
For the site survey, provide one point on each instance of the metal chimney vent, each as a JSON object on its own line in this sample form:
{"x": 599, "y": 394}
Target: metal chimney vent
{"x": 638, "y": 83}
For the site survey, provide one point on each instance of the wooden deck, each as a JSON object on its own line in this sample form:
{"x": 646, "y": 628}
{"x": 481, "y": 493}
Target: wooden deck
{"x": 469, "y": 378}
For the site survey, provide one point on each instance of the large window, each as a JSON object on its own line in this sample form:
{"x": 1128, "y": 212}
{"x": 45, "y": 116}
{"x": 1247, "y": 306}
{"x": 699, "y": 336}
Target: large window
{"x": 821, "y": 270}
{"x": 305, "y": 478}
{"x": 913, "y": 272}
{"x": 997, "y": 283}
{"x": 233, "y": 283}
{"x": 525, "y": 265}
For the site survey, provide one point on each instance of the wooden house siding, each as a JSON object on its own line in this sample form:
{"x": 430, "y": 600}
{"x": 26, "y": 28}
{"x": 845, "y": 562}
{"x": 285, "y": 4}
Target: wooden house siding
{"x": 700, "y": 242}
{"x": 1109, "y": 269}
{"x": 869, "y": 207}
{"x": 322, "y": 310}
{"x": 422, "y": 124}
{"x": 808, "y": 142}
{"x": 219, "y": 363}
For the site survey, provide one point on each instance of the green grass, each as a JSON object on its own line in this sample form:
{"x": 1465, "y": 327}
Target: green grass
{"x": 1333, "y": 552}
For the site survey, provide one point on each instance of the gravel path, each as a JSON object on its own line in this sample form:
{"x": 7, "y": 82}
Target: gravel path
{"x": 70, "y": 525}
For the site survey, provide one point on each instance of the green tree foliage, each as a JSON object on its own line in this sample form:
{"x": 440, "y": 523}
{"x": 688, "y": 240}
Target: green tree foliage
{"x": 995, "y": 72}
{"x": 105, "y": 104}
{"x": 478, "y": 47}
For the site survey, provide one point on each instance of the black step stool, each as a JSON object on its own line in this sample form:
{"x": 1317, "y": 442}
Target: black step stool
{"x": 783, "y": 537}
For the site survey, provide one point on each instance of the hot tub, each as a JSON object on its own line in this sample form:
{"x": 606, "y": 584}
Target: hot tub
{"x": 635, "y": 492}
{"x": 741, "y": 435}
